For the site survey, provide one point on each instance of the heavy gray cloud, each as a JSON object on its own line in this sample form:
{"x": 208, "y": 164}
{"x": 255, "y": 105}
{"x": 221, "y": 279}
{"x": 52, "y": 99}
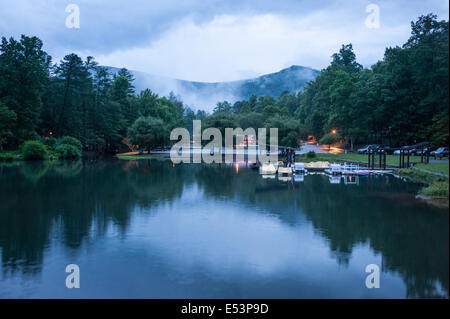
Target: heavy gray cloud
{"x": 215, "y": 40}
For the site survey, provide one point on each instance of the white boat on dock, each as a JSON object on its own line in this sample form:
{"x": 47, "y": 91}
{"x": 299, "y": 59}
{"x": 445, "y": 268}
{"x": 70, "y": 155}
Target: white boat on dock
{"x": 268, "y": 169}
{"x": 285, "y": 170}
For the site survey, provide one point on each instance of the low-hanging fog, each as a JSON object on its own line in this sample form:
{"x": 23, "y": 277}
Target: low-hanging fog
{"x": 205, "y": 95}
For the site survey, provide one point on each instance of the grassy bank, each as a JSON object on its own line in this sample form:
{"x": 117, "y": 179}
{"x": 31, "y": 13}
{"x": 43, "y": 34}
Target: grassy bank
{"x": 436, "y": 186}
{"x": 441, "y": 168}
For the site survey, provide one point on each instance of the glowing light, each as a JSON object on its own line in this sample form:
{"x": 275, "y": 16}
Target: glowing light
{"x": 336, "y": 150}
{"x": 333, "y": 131}
{"x": 311, "y": 140}
{"x": 236, "y": 166}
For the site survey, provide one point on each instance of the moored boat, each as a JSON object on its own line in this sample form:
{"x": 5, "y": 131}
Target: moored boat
{"x": 268, "y": 169}
{"x": 285, "y": 170}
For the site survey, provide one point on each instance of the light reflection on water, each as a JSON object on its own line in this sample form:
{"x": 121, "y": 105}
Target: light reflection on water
{"x": 148, "y": 229}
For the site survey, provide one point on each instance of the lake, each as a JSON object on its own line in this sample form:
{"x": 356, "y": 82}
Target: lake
{"x": 149, "y": 229}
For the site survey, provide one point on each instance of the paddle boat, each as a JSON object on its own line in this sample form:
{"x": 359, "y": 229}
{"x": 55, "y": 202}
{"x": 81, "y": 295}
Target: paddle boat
{"x": 284, "y": 170}
{"x": 267, "y": 169}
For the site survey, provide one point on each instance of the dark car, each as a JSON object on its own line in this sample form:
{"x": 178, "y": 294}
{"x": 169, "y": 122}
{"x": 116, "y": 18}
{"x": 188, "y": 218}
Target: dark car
{"x": 440, "y": 152}
{"x": 423, "y": 151}
{"x": 365, "y": 149}
{"x": 387, "y": 148}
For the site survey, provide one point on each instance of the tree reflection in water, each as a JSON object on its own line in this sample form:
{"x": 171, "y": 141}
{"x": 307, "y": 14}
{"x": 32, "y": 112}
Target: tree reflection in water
{"x": 80, "y": 201}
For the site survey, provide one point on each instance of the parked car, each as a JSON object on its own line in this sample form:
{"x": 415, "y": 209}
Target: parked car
{"x": 365, "y": 149}
{"x": 387, "y": 148}
{"x": 397, "y": 152}
{"x": 424, "y": 151}
{"x": 440, "y": 152}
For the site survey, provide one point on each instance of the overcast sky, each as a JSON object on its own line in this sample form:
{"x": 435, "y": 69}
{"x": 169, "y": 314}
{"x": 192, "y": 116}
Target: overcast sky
{"x": 212, "y": 40}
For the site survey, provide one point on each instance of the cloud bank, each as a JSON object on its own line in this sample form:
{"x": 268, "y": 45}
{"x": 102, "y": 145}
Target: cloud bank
{"x": 215, "y": 40}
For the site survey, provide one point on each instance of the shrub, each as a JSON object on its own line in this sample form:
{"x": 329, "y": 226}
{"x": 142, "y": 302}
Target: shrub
{"x": 33, "y": 150}
{"x": 51, "y": 141}
{"x": 311, "y": 154}
{"x": 439, "y": 189}
{"x": 68, "y": 151}
{"x": 6, "y": 157}
{"x": 69, "y": 140}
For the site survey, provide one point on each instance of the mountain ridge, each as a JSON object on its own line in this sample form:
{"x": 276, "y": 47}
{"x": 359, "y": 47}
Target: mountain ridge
{"x": 205, "y": 95}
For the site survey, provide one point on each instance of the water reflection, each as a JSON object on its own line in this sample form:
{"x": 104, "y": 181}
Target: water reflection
{"x": 221, "y": 224}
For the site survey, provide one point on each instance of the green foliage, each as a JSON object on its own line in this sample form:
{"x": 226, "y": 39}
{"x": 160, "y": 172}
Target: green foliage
{"x": 438, "y": 189}
{"x": 400, "y": 100}
{"x": 441, "y": 168}
{"x": 271, "y": 110}
{"x": 291, "y": 139}
{"x": 50, "y": 142}
{"x": 221, "y": 120}
{"x": 6, "y": 157}
{"x": 148, "y": 132}
{"x": 24, "y": 69}
{"x": 34, "y": 150}
{"x": 418, "y": 176}
{"x": 224, "y": 106}
{"x": 68, "y": 151}
{"x": 252, "y": 119}
{"x": 311, "y": 154}
{"x": 7, "y": 122}
{"x": 72, "y": 141}
{"x": 329, "y": 139}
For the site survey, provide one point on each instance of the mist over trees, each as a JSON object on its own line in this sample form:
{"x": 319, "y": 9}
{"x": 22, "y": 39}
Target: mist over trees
{"x": 402, "y": 99}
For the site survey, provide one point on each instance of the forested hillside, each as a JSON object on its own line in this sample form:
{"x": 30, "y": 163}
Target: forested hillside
{"x": 205, "y": 95}
{"x": 402, "y": 99}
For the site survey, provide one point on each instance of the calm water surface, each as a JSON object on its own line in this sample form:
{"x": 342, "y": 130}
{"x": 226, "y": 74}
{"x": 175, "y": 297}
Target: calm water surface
{"x": 146, "y": 229}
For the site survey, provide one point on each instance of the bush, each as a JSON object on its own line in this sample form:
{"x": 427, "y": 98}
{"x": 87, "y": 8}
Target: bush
{"x": 51, "y": 141}
{"x": 311, "y": 154}
{"x": 33, "y": 150}
{"x": 69, "y": 140}
{"x": 6, "y": 157}
{"x": 438, "y": 189}
{"x": 68, "y": 151}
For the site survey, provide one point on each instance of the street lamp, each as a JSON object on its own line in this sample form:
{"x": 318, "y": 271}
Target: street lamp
{"x": 333, "y": 131}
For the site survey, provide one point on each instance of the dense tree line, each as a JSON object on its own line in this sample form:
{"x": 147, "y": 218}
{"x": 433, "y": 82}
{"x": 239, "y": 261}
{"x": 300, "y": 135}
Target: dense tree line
{"x": 40, "y": 99}
{"x": 402, "y": 99}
